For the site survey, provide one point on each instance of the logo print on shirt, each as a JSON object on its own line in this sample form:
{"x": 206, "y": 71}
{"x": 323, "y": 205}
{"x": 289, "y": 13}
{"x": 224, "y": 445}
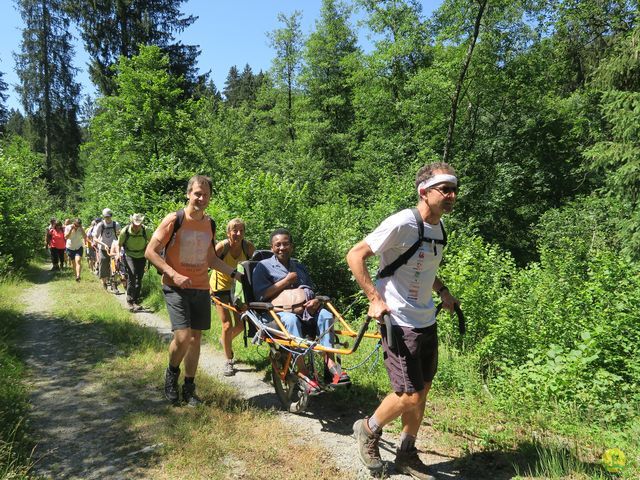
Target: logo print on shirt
{"x": 193, "y": 248}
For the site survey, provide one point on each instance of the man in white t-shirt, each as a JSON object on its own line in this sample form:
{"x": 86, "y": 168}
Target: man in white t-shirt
{"x": 405, "y": 294}
{"x": 105, "y": 233}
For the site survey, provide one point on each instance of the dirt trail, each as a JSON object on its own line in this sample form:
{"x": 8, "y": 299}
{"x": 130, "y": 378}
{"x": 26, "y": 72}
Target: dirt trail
{"x": 76, "y": 420}
{"x": 73, "y": 417}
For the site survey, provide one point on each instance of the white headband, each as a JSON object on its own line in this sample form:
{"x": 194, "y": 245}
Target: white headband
{"x": 436, "y": 179}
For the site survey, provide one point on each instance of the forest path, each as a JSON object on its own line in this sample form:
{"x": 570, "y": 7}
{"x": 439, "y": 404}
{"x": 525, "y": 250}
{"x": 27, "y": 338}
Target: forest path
{"x": 75, "y": 419}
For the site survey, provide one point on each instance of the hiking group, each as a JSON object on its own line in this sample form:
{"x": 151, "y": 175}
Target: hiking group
{"x": 183, "y": 249}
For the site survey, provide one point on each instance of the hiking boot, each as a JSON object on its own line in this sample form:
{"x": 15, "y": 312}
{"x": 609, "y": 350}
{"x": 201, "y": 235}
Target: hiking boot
{"x": 228, "y": 370}
{"x": 189, "y": 395}
{"x": 368, "y": 446}
{"x": 131, "y": 306}
{"x": 171, "y": 386}
{"x": 137, "y": 308}
{"x": 409, "y": 463}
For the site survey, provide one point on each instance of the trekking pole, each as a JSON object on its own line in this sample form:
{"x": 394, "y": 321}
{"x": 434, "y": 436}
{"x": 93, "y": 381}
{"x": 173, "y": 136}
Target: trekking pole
{"x": 462, "y": 326}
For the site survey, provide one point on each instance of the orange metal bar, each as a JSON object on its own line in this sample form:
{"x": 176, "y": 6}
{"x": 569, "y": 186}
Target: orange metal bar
{"x": 349, "y": 331}
{"x": 224, "y": 305}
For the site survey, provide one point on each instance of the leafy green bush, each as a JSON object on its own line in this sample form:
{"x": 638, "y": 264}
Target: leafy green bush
{"x": 24, "y": 204}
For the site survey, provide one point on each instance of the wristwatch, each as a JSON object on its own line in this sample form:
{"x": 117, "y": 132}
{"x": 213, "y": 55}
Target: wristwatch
{"x": 234, "y": 274}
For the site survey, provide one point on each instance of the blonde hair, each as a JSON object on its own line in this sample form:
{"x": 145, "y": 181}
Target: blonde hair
{"x": 235, "y": 221}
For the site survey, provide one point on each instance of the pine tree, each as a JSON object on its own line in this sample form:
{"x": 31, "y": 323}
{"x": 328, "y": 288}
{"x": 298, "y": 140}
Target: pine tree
{"x": 4, "y": 113}
{"x": 47, "y": 89}
{"x": 287, "y": 42}
{"x": 231, "y": 87}
{"x": 329, "y": 63}
{"x": 114, "y": 28}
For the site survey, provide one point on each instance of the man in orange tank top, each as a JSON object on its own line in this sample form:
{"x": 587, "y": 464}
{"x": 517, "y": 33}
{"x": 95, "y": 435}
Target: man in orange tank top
{"x": 189, "y": 252}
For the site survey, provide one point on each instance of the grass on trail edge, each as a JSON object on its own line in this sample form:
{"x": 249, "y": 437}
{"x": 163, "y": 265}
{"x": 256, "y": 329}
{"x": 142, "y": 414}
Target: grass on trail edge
{"x": 15, "y": 445}
{"x": 224, "y": 437}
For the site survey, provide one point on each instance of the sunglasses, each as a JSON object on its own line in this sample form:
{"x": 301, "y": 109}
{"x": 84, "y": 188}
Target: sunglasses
{"x": 447, "y": 190}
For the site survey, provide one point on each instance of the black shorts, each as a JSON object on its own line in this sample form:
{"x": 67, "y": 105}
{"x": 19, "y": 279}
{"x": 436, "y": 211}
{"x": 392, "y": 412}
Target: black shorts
{"x": 414, "y": 360}
{"x": 188, "y": 308}
{"x": 74, "y": 253}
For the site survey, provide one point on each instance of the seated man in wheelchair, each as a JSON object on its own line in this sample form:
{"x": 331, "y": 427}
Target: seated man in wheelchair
{"x": 281, "y": 273}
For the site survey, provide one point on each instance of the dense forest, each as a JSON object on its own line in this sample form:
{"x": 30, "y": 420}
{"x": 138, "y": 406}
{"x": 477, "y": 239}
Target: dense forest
{"x": 535, "y": 103}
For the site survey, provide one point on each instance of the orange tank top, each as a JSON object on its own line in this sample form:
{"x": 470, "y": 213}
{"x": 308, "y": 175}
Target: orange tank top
{"x": 187, "y": 252}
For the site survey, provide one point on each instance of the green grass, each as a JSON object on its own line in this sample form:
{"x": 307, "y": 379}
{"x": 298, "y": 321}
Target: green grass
{"x": 15, "y": 445}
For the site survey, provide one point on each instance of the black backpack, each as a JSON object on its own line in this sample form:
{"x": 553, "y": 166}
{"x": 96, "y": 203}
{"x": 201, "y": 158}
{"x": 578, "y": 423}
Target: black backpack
{"x": 404, "y": 258}
{"x": 176, "y": 226}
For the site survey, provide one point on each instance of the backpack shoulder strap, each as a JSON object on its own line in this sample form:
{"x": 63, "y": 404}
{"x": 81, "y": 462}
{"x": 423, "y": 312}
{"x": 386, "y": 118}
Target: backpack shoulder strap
{"x": 245, "y": 248}
{"x": 126, "y": 234}
{"x": 213, "y": 231}
{"x": 144, "y": 232}
{"x": 404, "y": 258}
{"x": 225, "y": 249}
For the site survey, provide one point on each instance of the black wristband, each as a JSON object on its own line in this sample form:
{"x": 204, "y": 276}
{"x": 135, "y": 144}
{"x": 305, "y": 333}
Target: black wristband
{"x": 234, "y": 273}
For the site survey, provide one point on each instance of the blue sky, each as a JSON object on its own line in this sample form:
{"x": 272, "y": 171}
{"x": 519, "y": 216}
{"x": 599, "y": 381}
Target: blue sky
{"x": 228, "y": 32}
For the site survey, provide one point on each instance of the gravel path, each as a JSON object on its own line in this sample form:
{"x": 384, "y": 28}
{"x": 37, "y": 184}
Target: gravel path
{"x": 76, "y": 422}
{"x": 74, "y": 419}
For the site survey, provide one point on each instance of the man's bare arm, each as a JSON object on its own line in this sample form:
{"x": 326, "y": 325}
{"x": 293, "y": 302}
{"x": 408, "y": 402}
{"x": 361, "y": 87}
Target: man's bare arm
{"x": 357, "y": 261}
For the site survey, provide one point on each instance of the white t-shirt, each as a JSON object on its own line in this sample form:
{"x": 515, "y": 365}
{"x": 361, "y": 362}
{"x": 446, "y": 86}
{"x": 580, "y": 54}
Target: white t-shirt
{"x": 408, "y": 291}
{"x": 76, "y": 239}
{"x": 106, "y": 233}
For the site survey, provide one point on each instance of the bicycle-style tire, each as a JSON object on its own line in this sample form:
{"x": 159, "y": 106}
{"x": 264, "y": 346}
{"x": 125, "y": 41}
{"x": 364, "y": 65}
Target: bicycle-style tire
{"x": 290, "y": 391}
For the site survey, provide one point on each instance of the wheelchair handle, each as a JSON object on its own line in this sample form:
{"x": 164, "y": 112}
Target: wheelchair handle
{"x": 462, "y": 327}
{"x": 388, "y": 327}
{"x": 361, "y": 333}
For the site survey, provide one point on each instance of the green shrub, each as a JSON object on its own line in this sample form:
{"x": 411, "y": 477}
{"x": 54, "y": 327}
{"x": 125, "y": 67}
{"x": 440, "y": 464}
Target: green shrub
{"x": 24, "y": 205}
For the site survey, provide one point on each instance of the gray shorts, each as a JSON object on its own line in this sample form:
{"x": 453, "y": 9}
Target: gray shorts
{"x": 188, "y": 308}
{"x": 105, "y": 265}
{"x": 414, "y": 361}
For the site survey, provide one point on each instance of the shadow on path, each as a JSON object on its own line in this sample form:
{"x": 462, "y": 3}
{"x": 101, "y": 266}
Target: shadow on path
{"x": 75, "y": 418}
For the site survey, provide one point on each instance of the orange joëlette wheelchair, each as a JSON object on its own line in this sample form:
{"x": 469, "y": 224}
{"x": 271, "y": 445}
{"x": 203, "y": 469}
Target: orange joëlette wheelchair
{"x": 263, "y": 325}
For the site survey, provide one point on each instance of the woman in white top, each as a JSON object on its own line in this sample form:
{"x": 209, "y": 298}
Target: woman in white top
{"x": 75, "y": 236}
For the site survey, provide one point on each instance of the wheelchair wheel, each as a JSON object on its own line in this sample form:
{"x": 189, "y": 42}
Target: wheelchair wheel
{"x": 291, "y": 391}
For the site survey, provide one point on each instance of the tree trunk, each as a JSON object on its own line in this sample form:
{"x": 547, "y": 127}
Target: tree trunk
{"x": 448, "y": 144}
{"x": 46, "y": 83}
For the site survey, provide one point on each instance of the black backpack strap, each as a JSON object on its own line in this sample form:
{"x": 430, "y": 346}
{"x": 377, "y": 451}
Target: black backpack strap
{"x": 404, "y": 258}
{"x": 126, "y": 235}
{"x": 213, "y": 231}
{"x": 245, "y": 248}
{"x": 225, "y": 249}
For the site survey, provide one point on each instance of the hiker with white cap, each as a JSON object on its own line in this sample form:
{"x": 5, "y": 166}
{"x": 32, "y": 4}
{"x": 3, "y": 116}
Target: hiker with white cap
{"x": 410, "y": 244}
{"x": 105, "y": 233}
{"x": 133, "y": 240}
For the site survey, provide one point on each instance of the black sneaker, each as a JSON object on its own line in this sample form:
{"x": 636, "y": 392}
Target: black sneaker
{"x": 368, "y": 446}
{"x": 171, "y": 385}
{"x": 409, "y": 463}
{"x": 189, "y": 395}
